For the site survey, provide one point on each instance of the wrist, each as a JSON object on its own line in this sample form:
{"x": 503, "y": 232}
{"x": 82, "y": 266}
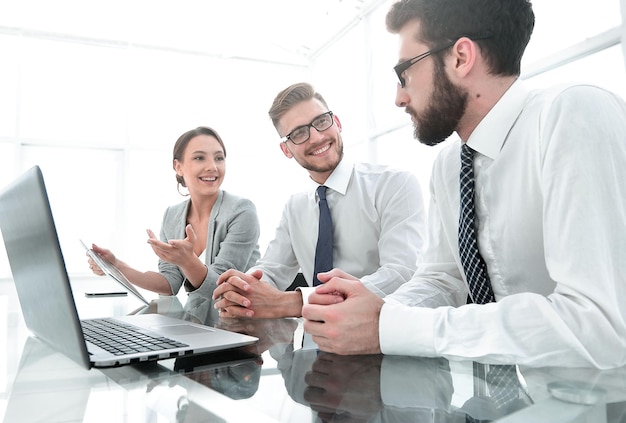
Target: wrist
{"x": 196, "y": 273}
{"x": 293, "y": 304}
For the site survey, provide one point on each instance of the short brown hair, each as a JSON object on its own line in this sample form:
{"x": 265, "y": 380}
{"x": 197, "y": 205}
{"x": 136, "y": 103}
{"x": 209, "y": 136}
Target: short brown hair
{"x": 289, "y": 97}
{"x": 505, "y": 26}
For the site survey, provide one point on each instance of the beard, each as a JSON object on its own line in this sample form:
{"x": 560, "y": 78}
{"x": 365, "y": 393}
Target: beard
{"x": 447, "y": 105}
{"x": 327, "y": 167}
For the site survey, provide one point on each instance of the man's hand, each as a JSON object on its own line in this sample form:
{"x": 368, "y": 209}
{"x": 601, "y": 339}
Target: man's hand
{"x": 347, "y": 327}
{"x": 246, "y": 295}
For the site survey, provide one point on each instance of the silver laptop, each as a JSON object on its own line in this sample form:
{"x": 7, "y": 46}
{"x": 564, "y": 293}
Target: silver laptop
{"x": 47, "y": 302}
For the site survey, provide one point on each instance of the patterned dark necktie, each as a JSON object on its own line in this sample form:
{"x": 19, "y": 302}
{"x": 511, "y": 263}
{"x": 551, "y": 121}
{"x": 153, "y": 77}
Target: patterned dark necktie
{"x": 504, "y": 393}
{"x": 473, "y": 264}
{"x": 503, "y": 384}
{"x": 502, "y": 379}
{"x": 324, "y": 249}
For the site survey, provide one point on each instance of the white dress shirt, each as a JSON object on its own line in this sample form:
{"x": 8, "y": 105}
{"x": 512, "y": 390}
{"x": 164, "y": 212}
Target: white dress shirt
{"x": 550, "y": 169}
{"x": 378, "y": 226}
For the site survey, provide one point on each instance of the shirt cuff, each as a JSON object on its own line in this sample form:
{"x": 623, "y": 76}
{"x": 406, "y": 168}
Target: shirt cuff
{"x": 404, "y": 330}
{"x": 305, "y": 291}
{"x": 307, "y": 341}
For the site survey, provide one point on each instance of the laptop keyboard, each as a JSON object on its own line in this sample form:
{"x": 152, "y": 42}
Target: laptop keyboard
{"x": 121, "y": 338}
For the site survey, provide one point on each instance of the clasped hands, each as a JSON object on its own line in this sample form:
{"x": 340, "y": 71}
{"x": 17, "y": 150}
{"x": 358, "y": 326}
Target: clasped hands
{"x": 240, "y": 294}
{"x": 245, "y": 295}
{"x": 341, "y": 315}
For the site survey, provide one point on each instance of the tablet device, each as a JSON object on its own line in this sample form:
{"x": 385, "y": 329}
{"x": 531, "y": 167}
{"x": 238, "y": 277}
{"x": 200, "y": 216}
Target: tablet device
{"x": 110, "y": 270}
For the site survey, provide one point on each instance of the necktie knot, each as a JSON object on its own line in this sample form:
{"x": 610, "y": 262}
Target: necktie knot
{"x": 321, "y": 192}
{"x": 466, "y": 153}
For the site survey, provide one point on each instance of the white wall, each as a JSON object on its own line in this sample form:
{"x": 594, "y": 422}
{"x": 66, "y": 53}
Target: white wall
{"x": 101, "y": 122}
{"x": 101, "y": 118}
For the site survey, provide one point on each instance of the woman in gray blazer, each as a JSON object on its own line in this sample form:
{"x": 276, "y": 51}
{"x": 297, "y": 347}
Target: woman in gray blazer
{"x": 203, "y": 236}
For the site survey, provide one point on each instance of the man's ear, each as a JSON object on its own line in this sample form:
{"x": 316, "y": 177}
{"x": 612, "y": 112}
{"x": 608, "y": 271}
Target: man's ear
{"x": 286, "y": 152}
{"x": 465, "y": 52}
{"x": 337, "y": 122}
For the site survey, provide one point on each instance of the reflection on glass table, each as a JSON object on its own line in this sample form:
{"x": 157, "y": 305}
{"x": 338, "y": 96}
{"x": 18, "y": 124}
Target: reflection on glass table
{"x": 275, "y": 380}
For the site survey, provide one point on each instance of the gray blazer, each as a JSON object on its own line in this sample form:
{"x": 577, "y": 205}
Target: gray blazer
{"x": 232, "y": 241}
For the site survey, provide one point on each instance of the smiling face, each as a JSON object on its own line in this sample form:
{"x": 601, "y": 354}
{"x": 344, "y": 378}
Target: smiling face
{"x": 323, "y": 151}
{"x": 203, "y": 166}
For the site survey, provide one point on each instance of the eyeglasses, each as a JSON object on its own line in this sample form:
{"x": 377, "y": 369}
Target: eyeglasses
{"x": 302, "y": 133}
{"x": 401, "y": 67}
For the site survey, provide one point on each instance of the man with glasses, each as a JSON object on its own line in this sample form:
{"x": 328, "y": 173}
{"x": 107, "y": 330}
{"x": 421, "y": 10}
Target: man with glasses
{"x": 377, "y": 216}
{"x": 528, "y": 210}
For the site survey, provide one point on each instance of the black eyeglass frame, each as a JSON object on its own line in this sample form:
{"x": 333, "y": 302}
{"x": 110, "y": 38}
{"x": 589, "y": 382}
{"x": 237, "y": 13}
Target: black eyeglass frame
{"x": 400, "y": 68}
{"x": 308, "y": 127}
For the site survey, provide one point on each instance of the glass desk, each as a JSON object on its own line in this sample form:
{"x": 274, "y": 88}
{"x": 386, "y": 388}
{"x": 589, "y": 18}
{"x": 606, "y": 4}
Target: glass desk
{"x": 276, "y": 380}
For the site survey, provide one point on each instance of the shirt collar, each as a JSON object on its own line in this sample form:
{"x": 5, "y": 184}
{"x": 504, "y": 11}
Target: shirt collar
{"x": 489, "y": 136}
{"x": 340, "y": 177}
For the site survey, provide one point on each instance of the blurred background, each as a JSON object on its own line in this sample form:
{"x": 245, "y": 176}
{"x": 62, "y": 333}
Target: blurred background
{"x": 97, "y": 92}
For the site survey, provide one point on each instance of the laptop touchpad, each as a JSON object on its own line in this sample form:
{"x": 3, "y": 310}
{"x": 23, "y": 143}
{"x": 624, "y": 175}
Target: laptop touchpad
{"x": 182, "y": 329}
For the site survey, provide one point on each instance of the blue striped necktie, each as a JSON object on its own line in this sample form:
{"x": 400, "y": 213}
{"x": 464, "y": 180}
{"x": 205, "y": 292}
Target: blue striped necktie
{"x": 324, "y": 249}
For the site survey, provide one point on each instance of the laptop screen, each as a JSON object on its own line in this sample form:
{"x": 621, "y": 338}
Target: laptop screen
{"x": 38, "y": 267}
